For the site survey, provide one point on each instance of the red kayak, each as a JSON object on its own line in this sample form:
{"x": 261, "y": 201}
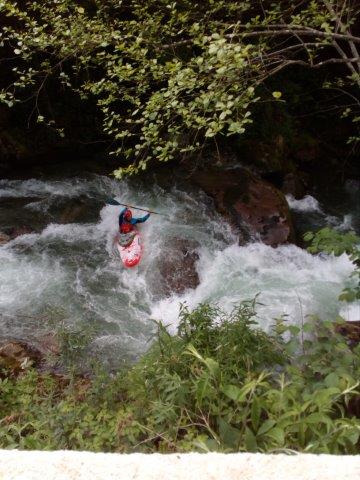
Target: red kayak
{"x": 131, "y": 254}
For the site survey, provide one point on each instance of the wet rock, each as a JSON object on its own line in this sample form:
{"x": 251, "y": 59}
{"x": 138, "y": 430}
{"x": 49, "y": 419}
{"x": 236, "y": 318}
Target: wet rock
{"x": 15, "y": 356}
{"x": 247, "y": 200}
{"x": 350, "y": 330}
{"x": 4, "y": 238}
{"x": 294, "y": 185}
{"x": 39, "y": 352}
{"x": 307, "y": 148}
{"x": 177, "y": 268}
{"x": 12, "y": 147}
{"x": 22, "y": 230}
{"x": 73, "y": 212}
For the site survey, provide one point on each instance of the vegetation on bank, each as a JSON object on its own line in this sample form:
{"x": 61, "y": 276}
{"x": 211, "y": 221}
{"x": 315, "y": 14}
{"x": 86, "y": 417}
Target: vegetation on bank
{"x": 220, "y": 384}
{"x": 168, "y": 78}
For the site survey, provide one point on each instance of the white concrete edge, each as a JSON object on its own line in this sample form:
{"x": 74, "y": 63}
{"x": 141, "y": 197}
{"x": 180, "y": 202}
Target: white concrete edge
{"x": 70, "y": 465}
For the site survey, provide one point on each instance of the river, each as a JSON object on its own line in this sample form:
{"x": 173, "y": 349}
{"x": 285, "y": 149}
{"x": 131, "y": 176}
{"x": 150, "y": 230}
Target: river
{"x": 71, "y": 272}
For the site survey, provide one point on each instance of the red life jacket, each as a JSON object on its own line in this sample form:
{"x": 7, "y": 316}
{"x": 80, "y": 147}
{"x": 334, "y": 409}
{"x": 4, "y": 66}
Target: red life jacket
{"x": 126, "y": 228}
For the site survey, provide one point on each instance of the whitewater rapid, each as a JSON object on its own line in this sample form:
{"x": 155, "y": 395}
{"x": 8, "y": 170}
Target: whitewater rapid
{"x": 72, "y": 273}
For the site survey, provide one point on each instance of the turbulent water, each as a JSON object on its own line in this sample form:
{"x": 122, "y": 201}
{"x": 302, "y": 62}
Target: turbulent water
{"x": 71, "y": 271}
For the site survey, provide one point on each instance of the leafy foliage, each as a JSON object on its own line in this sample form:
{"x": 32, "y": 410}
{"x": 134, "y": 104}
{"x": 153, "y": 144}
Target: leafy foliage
{"x": 169, "y": 77}
{"x": 221, "y": 384}
{"x": 331, "y": 241}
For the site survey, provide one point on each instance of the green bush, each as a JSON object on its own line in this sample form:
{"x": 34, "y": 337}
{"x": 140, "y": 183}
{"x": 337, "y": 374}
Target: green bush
{"x": 223, "y": 385}
{"x": 220, "y": 384}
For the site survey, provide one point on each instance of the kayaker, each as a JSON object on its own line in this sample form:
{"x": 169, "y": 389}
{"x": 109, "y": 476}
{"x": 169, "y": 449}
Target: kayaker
{"x": 127, "y": 221}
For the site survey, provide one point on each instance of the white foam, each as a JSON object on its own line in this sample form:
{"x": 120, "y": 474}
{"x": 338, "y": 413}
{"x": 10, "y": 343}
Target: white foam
{"x": 27, "y": 281}
{"x": 344, "y": 223}
{"x": 290, "y": 282}
{"x": 38, "y": 188}
{"x": 351, "y": 312}
{"x": 305, "y": 204}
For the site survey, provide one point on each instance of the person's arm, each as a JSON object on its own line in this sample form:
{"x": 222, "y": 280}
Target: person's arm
{"x": 140, "y": 220}
{"x": 121, "y": 216}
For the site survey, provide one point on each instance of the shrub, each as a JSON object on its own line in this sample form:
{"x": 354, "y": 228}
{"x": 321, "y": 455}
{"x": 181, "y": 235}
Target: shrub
{"x": 220, "y": 384}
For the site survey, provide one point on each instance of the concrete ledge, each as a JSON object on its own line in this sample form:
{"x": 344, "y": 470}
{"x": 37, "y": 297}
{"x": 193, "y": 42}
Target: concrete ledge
{"x": 65, "y": 465}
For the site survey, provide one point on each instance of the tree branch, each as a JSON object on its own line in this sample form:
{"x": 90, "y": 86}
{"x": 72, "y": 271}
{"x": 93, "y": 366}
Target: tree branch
{"x": 276, "y": 30}
{"x": 353, "y": 48}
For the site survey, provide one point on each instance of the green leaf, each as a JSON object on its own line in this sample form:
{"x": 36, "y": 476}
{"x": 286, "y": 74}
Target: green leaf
{"x": 203, "y": 443}
{"x": 213, "y": 366}
{"x": 255, "y": 413}
{"x": 276, "y": 95}
{"x": 353, "y": 436}
{"x": 202, "y": 388}
{"x": 228, "y": 434}
{"x": 266, "y": 426}
{"x": 210, "y": 133}
{"x": 308, "y": 236}
{"x": 325, "y": 396}
{"x": 277, "y": 434}
{"x": 294, "y": 330}
{"x": 250, "y": 441}
{"x": 332, "y": 380}
{"x": 232, "y": 391}
{"x": 315, "y": 418}
{"x": 237, "y": 394}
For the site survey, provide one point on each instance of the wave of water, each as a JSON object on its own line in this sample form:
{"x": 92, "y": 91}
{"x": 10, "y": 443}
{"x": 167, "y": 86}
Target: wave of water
{"x": 305, "y": 204}
{"x": 73, "y": 269}
{"x": 339, "y": 208}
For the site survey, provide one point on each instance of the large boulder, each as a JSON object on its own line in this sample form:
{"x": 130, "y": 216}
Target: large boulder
{"x": 177, "y": 271}
{"x": 247, "y": 200}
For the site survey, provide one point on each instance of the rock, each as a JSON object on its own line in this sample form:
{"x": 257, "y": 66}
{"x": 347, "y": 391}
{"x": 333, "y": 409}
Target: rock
{"x": 246, "y": 199}
{"x": 306, "y": 148}
{"x": 266, "y": 156}
{"x": 15, "y": 356}
{"x": 350, "y": 330}
{"x": 177, "y": 270}
{"x": 11, "y": 147}
{"x": 22, "y": 230}
{"x": 73, "y": 212}
{"x": 4, "y": 238}
{"x": 294, "y": 185}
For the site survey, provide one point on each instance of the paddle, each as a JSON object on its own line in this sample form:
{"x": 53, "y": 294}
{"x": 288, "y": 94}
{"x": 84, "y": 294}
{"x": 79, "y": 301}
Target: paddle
{"x": 111, "y": 201}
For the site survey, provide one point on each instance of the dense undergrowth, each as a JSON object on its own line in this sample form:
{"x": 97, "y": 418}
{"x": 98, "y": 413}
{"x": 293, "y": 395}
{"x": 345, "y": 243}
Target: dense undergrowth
{"x": 220, "y": 384}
